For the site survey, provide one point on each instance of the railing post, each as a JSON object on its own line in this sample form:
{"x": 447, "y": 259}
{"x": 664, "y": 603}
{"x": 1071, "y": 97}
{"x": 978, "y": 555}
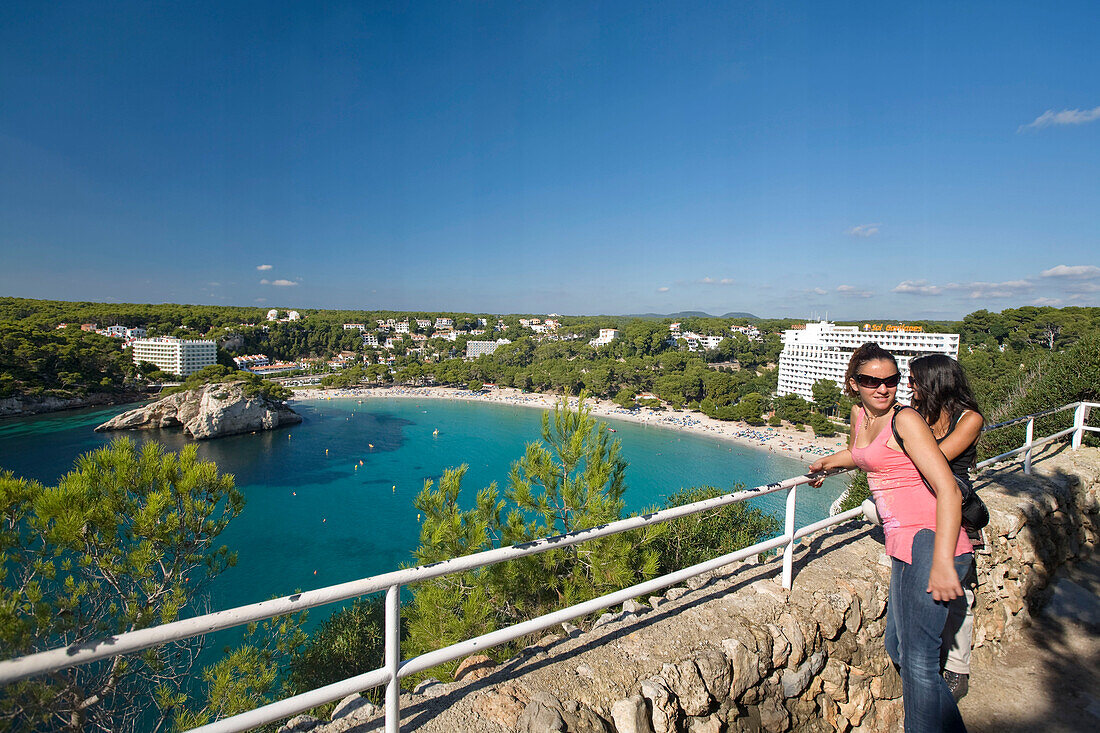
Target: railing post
{"x": 393, "y": 658}
{"x": 788, "y": 530}
{"x": 1028, "y": 440}
{"x": 1080, "y": 415}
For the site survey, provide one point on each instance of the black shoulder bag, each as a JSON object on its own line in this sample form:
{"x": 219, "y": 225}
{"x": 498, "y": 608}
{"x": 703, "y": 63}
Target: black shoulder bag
{"x": 975, "y": 514}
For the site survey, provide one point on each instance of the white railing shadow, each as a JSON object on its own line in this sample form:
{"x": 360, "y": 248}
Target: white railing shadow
{"x": 394, "y": 669}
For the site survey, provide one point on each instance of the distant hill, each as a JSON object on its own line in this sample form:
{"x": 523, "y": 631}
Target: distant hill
{"x": 691, "y": 314}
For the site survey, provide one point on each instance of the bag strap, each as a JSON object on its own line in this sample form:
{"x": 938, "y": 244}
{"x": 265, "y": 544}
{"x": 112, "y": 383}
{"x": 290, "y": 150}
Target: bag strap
{"x": 901, "y": 443}
{"x": 894, "y": 428}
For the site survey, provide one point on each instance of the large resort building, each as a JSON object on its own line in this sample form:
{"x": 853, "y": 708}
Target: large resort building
{"x": 474, "y": 349}
{"x": 822, "y": 350}
{"x": 175, "y": 356}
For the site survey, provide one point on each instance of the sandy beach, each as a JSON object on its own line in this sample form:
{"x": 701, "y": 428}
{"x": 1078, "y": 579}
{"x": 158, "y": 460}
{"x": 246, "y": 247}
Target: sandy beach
{"x": 785, "y": 440}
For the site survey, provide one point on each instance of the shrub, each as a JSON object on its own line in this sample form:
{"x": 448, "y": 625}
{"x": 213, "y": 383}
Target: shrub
{"x": 689, "y": 540}
{"x": 1065, "y": 377}
{"x": 349, "y": 642}
{"x": 858, "y": 491}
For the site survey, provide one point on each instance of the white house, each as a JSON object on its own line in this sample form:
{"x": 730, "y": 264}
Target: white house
{"x": 250, "y": 361}
{"x": 607, "y": 335}
{"x": 752, "y": 332}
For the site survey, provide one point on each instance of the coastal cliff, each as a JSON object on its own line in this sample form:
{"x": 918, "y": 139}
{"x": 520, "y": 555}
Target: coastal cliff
{"x": 210, "y": 411}
{"x": 23, "y": 405}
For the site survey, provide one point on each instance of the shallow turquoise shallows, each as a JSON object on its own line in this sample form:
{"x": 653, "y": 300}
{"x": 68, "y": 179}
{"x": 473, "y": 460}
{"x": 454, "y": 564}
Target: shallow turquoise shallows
{"x": 314, "y": 518}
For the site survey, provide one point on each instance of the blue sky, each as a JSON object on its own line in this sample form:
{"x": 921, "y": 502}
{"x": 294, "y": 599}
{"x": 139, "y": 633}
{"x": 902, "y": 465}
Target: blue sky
{"x": 861, "y": 159}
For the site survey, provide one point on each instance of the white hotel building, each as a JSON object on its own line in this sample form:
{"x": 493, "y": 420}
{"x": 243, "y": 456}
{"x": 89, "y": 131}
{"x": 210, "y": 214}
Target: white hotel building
{"x": 822, "y": 350}
{"x": 474, "y": 349}
{"x": 175, "y": 356}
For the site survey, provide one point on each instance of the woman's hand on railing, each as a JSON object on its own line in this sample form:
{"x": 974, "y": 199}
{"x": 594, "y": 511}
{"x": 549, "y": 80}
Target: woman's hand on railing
{"x": 830, "y": 464}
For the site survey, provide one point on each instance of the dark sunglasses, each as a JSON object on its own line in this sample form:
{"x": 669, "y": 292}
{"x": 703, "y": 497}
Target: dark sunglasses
{"x": 866, "y": 380}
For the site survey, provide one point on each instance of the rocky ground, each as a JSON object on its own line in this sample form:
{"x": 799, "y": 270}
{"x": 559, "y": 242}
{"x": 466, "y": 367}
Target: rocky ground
{"x": 603, "y": 666}
{"x": 1049, "y": 678}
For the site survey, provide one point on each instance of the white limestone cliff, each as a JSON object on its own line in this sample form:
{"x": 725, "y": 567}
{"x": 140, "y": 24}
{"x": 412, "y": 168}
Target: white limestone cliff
{"x": 210, "y": 411}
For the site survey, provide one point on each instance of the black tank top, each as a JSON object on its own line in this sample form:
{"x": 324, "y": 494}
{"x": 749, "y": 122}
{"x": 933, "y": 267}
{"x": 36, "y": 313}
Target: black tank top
{"x": 962, "y": 463}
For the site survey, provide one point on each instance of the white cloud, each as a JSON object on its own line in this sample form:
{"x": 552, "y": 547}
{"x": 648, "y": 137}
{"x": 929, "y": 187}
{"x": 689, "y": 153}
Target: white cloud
{"x": 284, "y": 283}
{"x": 261, "y": 268}
{"x": 717, "y": 281}
{"x": 261, "y": 300}
{"x": 1072, "y": 272}
{"x": 851, "y": 291}
{"x": 707, "y": 281}
{"x": 1051, "y": 118}
{"x": 991, "y": 290}
{"x": 726, "y": 281}
{"x": 214, "y": 285}
{"x": 1005, "y": 289}
{"x": 265, "y": 281}
{"x": 820, "y": 291}
{"x": 917, "y": 287}
{"x": 1048, "y": 301}
{"x": 663, "y": 289}
{"x": 864, "y": 230}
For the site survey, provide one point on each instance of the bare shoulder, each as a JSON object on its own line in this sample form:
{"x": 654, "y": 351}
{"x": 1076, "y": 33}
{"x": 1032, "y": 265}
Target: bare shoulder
{"x": 970, "y": 424}
{"x": 972, "y": 419}
{"x": 909, "y": 421}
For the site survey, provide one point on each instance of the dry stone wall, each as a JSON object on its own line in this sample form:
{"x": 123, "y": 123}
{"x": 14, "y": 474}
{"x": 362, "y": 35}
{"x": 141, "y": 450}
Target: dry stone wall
{"x": 734, "y": 651}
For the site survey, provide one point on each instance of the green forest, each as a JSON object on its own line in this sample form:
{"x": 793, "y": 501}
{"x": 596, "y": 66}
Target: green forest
{"x": 1001, "y": 352}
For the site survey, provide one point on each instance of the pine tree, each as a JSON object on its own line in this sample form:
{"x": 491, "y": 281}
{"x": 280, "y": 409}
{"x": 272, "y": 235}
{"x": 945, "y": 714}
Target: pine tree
{"x": 127, "y": 540}
{"x": 573, "y": 479}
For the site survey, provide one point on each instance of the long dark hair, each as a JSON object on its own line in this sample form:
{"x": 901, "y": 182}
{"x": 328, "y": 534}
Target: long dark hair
{"x": 941, "y": 387}
{"x": 870, "y": 351}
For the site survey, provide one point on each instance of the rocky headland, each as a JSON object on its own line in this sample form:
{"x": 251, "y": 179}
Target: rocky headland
{"x": 23, "y": 405}
{"x": 210, "y": 411}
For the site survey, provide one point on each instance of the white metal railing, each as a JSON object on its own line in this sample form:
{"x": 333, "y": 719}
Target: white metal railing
{"x": 393, "y": 669}
{"x": 1078, "y": 430}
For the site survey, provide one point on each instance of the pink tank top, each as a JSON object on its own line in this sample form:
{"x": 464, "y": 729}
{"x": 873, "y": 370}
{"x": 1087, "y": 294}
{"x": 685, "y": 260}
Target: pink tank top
{"x": 904, "y": 503}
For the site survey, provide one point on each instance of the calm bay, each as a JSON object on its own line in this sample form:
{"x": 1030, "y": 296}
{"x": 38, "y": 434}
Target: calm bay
{"x": 316, "y": 516}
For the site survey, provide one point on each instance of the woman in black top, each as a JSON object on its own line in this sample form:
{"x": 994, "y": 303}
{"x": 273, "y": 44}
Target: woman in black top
{"x": 942, "y": 396}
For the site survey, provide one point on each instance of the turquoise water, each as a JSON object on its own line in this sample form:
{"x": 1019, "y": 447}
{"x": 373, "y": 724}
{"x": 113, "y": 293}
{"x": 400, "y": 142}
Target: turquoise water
{"x": 313, "y": 519}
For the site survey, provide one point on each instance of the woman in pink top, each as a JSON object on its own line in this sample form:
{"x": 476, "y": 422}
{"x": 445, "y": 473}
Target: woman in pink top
{"x": 923, "y": 535}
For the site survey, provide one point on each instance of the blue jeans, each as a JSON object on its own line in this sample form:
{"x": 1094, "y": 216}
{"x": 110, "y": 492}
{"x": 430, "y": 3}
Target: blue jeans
{"x": 914, "y": 624}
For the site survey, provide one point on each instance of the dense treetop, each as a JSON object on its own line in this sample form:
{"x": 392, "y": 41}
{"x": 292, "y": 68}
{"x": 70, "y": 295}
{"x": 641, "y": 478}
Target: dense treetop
{"x": 65, "y": 363}
{"x": 734, "y": 381}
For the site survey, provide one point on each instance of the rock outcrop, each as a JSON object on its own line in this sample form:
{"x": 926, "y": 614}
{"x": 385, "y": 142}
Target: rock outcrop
{"x": 26, "y": 405}
{"x": 210, "y": 411}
